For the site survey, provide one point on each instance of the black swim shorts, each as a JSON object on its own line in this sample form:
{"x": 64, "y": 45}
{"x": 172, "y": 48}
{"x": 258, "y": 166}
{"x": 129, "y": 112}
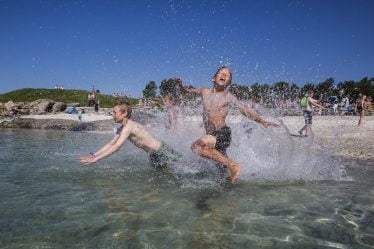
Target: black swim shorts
{"x": 223, "y": 139}
{"x": 163, "y": 157}
{"x": 307, "y": 117}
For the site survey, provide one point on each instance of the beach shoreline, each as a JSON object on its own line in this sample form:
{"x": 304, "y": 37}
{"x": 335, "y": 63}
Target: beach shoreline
{"x": 338, "y": 133}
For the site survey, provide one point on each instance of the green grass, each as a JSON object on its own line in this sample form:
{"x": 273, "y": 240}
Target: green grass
{"x": 57, "y": 95}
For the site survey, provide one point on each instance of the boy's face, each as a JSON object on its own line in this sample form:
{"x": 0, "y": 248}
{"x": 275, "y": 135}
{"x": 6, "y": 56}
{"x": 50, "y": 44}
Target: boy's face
{"x": 223, "y": 77}
{"x": 117, "y": 115}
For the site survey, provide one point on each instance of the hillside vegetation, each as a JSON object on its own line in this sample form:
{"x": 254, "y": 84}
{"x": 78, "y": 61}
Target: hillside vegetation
{"x": 57, "y": 95}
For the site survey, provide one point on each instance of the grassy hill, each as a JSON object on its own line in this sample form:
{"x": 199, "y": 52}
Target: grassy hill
{"x": 66, "y": 96}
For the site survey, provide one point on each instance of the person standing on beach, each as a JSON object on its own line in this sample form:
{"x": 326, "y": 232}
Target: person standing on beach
{"x": 361, "y": 106}
{"x": 160, "y": 154}
{"x": 216, "y": 102}
{"x": 308, "y": 113}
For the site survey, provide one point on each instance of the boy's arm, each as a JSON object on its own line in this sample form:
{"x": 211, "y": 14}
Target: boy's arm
{"x": 107, "y": 146}
{"x": 250, "y": 113}
{"x": 187, "y": 90}
{"x": 110, "y": 148}
{"x": 314, "y": 103}
{"x": 102, "y": 149}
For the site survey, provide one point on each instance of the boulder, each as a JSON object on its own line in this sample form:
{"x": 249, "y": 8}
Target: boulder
{"x": 41, "y": 106}
{"x": 10, "y": 105}
{"x": 58, "y": 124}
{"x": 58, "y": 107}
{"x": 24, "y": 111}
{"x": 3, "y": 111}
{"x": 73, "y": 104}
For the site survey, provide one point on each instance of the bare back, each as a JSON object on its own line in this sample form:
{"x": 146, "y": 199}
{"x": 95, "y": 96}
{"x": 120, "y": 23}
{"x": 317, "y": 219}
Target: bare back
{"x": 139, "y": 136}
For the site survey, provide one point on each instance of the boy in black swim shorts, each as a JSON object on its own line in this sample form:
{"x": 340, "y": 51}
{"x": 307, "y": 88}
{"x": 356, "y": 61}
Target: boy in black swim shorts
{"x": 216, "y": 102}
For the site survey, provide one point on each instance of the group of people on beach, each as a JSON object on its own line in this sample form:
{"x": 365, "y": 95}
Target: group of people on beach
{"x": 363, "y": 104}
{"x": 212, "y": 145}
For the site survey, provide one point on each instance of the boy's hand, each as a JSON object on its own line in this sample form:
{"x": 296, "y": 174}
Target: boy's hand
{"x": 88, "y": 159}
{"x": 266, "y": 124}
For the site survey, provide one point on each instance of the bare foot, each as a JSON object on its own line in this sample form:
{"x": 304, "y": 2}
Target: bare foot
{"x": 235, "y": 171}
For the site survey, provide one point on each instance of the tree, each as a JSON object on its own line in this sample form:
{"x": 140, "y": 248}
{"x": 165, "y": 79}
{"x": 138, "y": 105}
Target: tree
{"x": 150, "y": 90}
{"x": 168, "y": 87}
{"x": 326, "y": 87}
{"x": 366, "y": 86}
{"x": 307, "y": 87}
{"x": 349, "y": 88}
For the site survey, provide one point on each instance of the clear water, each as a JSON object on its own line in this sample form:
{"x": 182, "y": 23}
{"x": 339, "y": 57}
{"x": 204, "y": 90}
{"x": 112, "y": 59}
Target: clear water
{"x": 49, "y": 200}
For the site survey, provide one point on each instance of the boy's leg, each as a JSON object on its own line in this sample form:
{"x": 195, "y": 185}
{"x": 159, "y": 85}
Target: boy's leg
{"x": 302, "y": 129}
{"x": 205, "y": 147}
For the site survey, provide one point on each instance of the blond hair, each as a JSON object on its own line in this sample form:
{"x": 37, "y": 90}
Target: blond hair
{"x": 125, "y": 107}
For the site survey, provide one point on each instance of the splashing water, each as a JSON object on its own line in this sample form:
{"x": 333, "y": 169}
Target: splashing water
{"x": 265, "y": 154}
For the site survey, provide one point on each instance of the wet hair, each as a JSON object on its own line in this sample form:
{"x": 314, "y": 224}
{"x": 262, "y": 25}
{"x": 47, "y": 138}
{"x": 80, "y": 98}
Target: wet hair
{"x": 224, "y": 67}
{"x": 125, "y": 107}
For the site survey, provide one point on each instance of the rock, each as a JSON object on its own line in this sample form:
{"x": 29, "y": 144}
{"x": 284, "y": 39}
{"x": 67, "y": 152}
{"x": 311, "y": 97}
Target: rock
{"x": 3, "y": 110}
{"x": 58, "y": 124}
{"x": 73, "y": 104}
{"x": 41, "y": 106}
{"x": 10, "y": 105}
{"x": 23, "y": 111}
{"x": 58, "y": 107}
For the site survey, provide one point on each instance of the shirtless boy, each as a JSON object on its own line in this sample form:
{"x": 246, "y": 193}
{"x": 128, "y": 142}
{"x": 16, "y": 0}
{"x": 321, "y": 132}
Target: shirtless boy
{"x": 216, "y": 102}
{"x": 160, "y": 154}
{"x": 308, "y": 113}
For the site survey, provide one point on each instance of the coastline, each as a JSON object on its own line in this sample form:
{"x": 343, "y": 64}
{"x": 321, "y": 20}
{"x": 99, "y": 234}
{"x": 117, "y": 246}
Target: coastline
{"x": 338, "y": 133}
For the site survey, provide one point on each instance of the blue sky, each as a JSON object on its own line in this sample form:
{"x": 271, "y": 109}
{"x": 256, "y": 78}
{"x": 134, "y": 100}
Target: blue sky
{"x": 119, "y": 46}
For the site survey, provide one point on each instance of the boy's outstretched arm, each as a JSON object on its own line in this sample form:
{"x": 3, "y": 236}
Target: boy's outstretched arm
{"x": 113, "y": 146}
{"x": 101, "y": 150}
{"x": 250, "y": 113}
{"x": 184, "y": 90}
{"x": 314, "y": 103}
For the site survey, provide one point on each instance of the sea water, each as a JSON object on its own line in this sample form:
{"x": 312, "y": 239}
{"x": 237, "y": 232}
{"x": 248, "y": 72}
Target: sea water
{"x": 289, "y": 195}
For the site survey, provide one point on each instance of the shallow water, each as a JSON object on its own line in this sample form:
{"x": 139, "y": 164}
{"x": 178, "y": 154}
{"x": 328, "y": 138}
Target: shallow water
{"x": 49, "y": 200}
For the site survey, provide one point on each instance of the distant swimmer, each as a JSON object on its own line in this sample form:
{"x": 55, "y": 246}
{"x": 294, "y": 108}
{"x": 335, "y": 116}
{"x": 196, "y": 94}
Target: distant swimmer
{"x": 216, "y": 102}
{"x": 159, "y": 153}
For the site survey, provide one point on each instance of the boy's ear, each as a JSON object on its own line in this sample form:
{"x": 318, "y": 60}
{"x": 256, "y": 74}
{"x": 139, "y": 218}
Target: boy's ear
{"x": 212, "y": 79}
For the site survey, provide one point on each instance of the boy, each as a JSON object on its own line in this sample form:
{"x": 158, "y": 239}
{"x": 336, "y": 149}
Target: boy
{"x": 216, "y": 101}
{"x": 308, "y": 113}
{"x": 160, "y": 153}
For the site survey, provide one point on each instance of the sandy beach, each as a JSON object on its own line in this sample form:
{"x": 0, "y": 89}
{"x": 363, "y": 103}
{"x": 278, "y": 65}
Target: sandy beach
{"x": 339, "y": 133}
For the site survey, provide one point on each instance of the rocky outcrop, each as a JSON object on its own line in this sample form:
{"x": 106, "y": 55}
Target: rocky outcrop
{"x": 58, "y": 107}
{"x": 58, "y": 124}
{"x": 40, "y": 106}
{"x": 74, "y": 104}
